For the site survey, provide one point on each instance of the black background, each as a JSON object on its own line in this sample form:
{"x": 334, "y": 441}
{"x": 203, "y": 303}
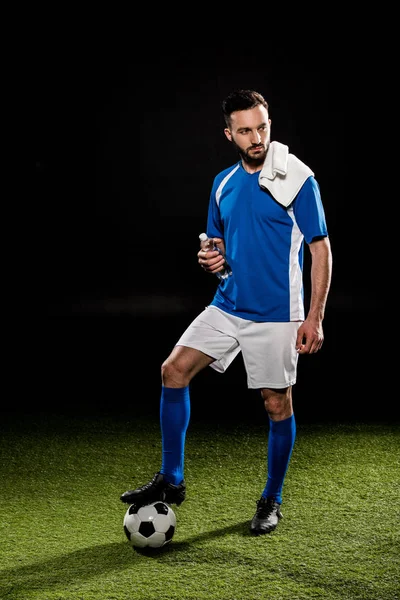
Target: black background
{"x": 127, "y": 143}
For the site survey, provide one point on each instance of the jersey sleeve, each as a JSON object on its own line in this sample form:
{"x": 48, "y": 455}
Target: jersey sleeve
{"x": 309, "y": 211}
{"x": 214, "y": 223}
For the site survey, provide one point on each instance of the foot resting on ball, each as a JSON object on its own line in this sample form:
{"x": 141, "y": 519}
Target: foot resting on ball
{"x": 156, "y": 489}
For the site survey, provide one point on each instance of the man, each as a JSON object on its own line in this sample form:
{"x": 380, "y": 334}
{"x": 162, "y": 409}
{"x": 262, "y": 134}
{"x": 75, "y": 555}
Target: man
{"x": 262, "y": 211}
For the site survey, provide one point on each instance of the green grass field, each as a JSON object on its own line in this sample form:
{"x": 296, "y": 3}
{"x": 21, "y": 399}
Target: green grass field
{"x": 61, "y": 517}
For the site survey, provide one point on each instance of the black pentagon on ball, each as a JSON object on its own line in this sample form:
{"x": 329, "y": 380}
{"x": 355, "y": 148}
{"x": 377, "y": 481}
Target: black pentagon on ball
{"x": 133, "y": 509}
{"x": 161, "y": 508}
{"x": 170, "y": 533}
{"x": 146, "y": 528}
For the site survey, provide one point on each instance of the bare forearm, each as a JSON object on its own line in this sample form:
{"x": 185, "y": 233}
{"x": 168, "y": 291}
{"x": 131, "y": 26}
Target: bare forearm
{"x": 321, "y": 274}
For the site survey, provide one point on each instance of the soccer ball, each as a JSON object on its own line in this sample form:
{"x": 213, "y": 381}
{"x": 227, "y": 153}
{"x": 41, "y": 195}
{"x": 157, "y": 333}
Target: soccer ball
{"x": 150, "y": 526}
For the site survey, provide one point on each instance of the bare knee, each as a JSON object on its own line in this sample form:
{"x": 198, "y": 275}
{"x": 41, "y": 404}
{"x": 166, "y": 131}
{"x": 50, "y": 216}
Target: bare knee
{"x": 182, "y": 365}
{"x": 173, "y": 373}
{"x": 278, "y": 403}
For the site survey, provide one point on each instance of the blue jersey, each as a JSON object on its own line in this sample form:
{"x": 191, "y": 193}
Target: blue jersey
{"x": 264, "y": 244}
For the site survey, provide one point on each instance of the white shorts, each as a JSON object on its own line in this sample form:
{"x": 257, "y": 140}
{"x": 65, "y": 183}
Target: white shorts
{"x": 268, "y": 349}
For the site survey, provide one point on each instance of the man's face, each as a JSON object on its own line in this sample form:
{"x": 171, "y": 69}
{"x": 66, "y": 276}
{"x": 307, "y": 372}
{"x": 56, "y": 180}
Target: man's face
{"x": 250, "y": 132}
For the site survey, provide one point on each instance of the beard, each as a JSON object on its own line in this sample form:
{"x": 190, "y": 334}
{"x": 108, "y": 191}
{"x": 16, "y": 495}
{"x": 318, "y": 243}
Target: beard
{"x": 251, "y": 156}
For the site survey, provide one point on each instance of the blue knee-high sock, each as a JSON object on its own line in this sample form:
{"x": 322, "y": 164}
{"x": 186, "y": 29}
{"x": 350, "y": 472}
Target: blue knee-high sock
{"x": 174, "y": 421}
{"x": 282, "y": 435}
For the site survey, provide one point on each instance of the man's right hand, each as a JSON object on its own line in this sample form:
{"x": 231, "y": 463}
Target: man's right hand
{"x": 211, "y": 260}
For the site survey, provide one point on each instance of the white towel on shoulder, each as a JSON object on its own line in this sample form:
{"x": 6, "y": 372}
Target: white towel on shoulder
{"x": 283, "y": 174}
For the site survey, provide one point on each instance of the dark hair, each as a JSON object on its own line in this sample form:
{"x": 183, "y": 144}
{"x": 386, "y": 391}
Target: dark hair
{"x": 241, "y": 100}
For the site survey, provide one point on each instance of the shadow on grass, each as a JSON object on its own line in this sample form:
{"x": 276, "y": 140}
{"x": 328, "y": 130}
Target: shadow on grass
{"x": 86, "y": 563}
{"x": 240, "y": 528}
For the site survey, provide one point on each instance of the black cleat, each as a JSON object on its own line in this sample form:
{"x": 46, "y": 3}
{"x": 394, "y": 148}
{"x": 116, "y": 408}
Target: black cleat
{"x": 267, "y": 516}
{"x": 156, "y": 489}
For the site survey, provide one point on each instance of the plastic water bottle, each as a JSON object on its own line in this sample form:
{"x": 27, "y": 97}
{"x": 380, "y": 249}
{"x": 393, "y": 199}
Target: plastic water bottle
{"x": 203, "y": 237}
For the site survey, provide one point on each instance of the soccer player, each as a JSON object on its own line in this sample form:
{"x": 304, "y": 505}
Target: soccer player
{"x": 263, "y": 211}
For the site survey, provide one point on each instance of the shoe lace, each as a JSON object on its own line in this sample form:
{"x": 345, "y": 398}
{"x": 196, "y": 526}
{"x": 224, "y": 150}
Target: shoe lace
{"x": 148, "y": 485}
{"x": 265, "y": 507}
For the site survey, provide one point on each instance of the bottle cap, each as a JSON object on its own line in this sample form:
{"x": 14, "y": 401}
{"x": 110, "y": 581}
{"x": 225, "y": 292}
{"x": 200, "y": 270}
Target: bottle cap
{"x": 203, "y": 237}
